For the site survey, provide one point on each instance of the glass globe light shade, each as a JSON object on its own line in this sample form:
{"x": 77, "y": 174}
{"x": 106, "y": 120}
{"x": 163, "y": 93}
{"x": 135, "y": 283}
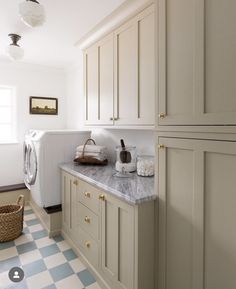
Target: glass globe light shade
{"x": 15, "y": 52}
{"x": 32, "y": 13}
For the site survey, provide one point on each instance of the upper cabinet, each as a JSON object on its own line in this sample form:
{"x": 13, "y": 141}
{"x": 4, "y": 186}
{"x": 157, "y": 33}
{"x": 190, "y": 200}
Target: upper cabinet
{"x": 135, "y": 71}
{"x": 98, "y": 82}
{"x": 119, "y": 75}
{"x": 197, "y": 63}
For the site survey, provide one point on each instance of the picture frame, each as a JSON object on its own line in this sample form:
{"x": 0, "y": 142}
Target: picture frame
{"x": 43, "y": 105}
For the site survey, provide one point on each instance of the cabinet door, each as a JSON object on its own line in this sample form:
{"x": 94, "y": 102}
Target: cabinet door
{"x": 135, "y": 70}
{"x": 118, "y": 243}
{"x": 98, "y": 76}
{"x": 69, "y": 189}
{"x": 105, "y": 81}
{"x": 197, "y": 63}
{"x": 197, "y": 216}
{"x": 91, "y": 85}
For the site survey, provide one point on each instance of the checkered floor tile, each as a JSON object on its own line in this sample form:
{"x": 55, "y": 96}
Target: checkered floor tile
{"x": 47, "y": 263}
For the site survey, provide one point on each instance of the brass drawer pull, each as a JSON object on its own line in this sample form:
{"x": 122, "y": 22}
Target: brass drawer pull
{"x": 75, "y": 182}
{"x": 87, "y": 194}
{"x": 114, "y": 118}
{"x": 162, "y": 115}
{"x": 161, "y": 146}
{"x": 102, "y": 197}
{"x": 87, "y": 219}
{"x": 87, "y": 244}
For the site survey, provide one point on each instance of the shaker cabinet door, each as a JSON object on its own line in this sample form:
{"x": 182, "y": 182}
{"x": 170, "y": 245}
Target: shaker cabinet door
{"x": 197, "y": 63}
{"x": 98, "y": 82}
{"x": 117, "y": 243}
{"x": 91, "y": 85}
{"x": 197, "y": 216}
{"x": 135, "y": 71}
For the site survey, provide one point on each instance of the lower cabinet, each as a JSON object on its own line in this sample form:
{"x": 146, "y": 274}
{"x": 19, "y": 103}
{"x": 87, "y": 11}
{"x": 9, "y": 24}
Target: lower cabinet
{"x": 197, "y": 215}
{"x": 115, "y": 238}
{"x": 117, "y": 242}
{"x": 69, "y": 191}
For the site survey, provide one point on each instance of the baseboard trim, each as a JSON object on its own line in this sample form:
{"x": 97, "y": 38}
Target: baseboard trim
{"x": 11, "y": 188}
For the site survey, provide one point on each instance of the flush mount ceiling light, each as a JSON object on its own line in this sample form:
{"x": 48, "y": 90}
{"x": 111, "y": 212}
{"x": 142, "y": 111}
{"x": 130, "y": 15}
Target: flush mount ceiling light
{"x": 32, "y": 13}
{"x": 14, "y": 51}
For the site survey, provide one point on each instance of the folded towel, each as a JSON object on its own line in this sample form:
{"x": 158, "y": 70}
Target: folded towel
{"x": 98, "y": 157}
{"x": 91, "y": 148}
{"x": 79, "y": 154}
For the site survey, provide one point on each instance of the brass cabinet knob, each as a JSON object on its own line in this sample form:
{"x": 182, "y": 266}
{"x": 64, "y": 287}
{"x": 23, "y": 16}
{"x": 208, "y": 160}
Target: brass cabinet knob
{"x": 162, "y": 115}
{"x": 102, "y": 197}
{"x": 87, "y": 194}
{"x": 87, "y": 219}
{"x": 75, "y": 182}
{"x": 161, "y": 146}
{"x": 87, "y": 244}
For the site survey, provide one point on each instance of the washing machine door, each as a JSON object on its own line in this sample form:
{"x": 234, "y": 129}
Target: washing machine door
{"x": 30, "y": 163}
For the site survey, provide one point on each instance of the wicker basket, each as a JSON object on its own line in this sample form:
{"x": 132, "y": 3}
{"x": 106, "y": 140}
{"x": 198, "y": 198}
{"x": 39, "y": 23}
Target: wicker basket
{"x": 11, "y": 220}
{"x": 88, "y": 160}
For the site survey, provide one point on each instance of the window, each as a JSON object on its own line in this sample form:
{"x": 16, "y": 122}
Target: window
{"x": 7, "y": 115}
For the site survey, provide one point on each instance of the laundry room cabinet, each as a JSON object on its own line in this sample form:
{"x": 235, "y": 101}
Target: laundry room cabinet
{"x": 98, "y": 82}
{"x": 197, "y": 63}
{"x": 114, "y": 238}
{"x": 117, "y": 242}
{"x": 197, "y": 213}
{"x": 69, "y": 191}
{"x": 119, "y": 75}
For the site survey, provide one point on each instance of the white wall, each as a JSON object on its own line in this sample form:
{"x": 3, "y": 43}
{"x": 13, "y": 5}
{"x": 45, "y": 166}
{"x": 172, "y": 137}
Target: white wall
{"x": 29, "y": 80}
{"x": 143, "y": 140}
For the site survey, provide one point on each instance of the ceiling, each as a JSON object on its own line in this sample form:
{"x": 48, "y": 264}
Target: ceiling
{"x": 53, "y": 43}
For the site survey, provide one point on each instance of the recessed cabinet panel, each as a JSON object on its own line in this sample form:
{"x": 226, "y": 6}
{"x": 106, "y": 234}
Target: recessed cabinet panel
{"x": 146, "y": 69}
{"x": 176, "y": 209}
{"x": 125, "y": 250}
{"x": 105, "y": 81}
{"x": 179, "y": 50}
{"x": 220, "y": 218}
{"x": 69, "y": 191}
{"x": 220, "y": 35}
{"x": 197, "y": 239}
{"x": 109, "y": 238}
{"x": 91, "y": 85}
{"x": 126, "y": 74}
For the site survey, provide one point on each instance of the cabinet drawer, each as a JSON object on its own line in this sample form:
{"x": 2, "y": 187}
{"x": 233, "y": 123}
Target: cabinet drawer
{"x": 89, "y": 196}
{"x": 87, "y": 220}
{"x": 88, "y": 246}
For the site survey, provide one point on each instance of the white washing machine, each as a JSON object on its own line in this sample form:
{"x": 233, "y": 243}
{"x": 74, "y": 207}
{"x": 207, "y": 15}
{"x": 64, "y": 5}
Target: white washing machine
{"x": 43, "y": 152}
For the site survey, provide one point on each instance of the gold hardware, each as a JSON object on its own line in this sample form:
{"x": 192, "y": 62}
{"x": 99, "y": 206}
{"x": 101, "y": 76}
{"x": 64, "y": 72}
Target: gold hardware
{"x": 161, "y": 146}
{"x": 102, "y": 197}
{"x": 162, "y": 115}
{"x": 87, "y": 194}
{"x": 114, "y": 118}
{"x": 75, "y": 182}
{"x": 87, "y": 219}
{"x": 87, "y": 244}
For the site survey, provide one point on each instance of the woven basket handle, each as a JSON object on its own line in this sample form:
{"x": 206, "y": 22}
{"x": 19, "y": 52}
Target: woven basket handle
{"x": 21, "y": 198}
{"x": 88, "y": 140}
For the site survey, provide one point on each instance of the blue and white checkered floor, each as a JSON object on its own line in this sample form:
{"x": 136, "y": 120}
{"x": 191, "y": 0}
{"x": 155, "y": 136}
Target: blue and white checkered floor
{"x": 47, "y": 263}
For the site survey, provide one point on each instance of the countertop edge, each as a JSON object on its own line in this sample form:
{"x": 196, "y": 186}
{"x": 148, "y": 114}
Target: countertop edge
{"x": 107, "y": 189}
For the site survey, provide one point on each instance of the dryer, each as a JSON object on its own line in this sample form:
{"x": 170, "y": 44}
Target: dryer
{"x": 44, "y": 150}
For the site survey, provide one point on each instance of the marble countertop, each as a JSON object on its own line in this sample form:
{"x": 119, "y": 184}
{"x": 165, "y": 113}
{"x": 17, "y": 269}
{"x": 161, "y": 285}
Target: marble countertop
{"x": 134, "y": 190}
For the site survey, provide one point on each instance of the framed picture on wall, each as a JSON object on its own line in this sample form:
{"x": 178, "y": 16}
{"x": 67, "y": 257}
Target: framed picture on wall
{"x": 43, "y": 105}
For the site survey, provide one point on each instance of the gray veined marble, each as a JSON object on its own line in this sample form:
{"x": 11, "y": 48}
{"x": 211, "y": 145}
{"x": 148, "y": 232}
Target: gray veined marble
{"x": 134, "y": 190}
